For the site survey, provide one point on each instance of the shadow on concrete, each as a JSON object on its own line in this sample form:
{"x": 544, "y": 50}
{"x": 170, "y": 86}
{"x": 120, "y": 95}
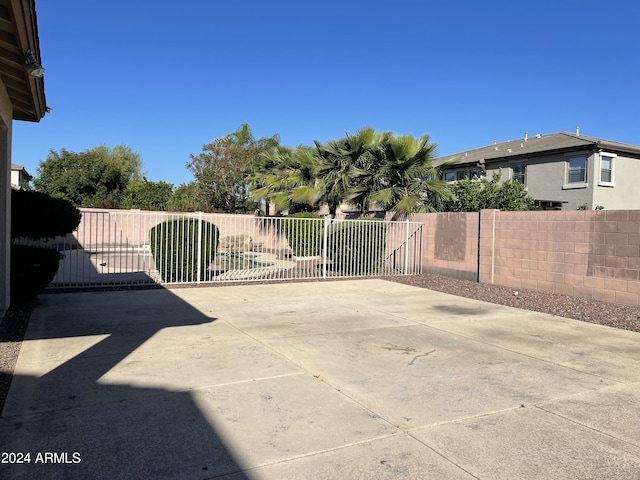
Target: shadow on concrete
{"x": 457, "y": 310}
{"x": 75, "y": 426}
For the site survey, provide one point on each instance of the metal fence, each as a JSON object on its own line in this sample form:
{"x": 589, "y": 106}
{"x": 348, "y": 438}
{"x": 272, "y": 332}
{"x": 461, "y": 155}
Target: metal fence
{"x": 128, "y": 247}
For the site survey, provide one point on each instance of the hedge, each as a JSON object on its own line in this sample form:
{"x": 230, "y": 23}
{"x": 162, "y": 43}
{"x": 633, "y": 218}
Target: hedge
{"x": 37, "y": 215}
{"x": 357, "y": 247}
{"x": 32, "y": 269}
{"x": 175, "y": 250}
{"x": 305, "y": 235}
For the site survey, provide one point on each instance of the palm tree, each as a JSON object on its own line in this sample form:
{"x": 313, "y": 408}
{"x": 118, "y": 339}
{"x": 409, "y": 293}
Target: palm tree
{"x": 284, "y": 177}
{"x": 367, "y": 167}
{"x": 333, "y": 172}
{"x": 343, "y": 165}
{"x": 301, "y": 178}
{"x": 364, "y": 151}
{"x": 372, "y": 167}
{"x": 408, "y": 179}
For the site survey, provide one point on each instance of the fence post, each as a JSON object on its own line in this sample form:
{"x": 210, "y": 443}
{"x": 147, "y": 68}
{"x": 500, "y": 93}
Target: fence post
{"x": 324, "y": 247}
{"x": 421, "y": 242}
{"x": 406, "y": 248}
{"x": 199, "y": 258}
{"x": 140, "y": 241}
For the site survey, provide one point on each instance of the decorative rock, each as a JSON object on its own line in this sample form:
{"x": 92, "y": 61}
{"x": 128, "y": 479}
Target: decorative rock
{"x": 236, "y": 244}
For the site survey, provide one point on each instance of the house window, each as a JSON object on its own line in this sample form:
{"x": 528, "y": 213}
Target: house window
{"x": 474, "y": 173}
{"x": 606, "y": 169}
{"x": 577, "y": 169}
{"x": 518, "y": 173}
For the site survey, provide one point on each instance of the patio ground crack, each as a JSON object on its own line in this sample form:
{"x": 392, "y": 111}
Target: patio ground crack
{"x": 418, "y": 356}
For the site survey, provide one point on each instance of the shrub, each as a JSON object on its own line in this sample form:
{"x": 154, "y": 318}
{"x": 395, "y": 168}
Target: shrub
{"x": 475, "y": 195}
{"x": 174, "y": 246}
{"x": 32, "y": 269}
{"x": 357, "y": 247}
{"x": 37, "y": 215}
{"x": 305, "y": 235}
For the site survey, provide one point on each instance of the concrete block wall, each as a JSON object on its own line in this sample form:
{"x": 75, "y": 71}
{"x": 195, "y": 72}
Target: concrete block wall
{"x": 589, "y": 254}
{"x": 450, "y": 244}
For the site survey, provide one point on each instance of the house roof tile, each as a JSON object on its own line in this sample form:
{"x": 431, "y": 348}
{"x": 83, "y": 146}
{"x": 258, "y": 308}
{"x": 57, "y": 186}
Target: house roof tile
{"x": 537, "y": 145}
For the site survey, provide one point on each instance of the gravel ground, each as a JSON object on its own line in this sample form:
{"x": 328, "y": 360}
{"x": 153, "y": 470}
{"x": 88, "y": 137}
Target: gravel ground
{"x": 12, "y": 330}
{"x": 625, "y": 317}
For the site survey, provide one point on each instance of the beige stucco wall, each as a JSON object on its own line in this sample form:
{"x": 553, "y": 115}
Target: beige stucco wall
{"x": 6, "y": 114}
{"x": 625, "y": 195}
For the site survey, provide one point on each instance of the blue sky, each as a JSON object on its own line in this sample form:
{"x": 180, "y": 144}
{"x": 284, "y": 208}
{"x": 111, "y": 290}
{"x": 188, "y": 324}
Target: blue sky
{"x": 166, "y": 77}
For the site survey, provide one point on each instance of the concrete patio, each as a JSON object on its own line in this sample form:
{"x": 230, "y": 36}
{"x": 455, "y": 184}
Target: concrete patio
{"x": 362, "y": 379}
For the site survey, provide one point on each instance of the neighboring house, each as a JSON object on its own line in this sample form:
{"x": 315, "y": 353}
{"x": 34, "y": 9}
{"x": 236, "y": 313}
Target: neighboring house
{"x": 21, "y": 98}
{"x": 561, "y": 171}
{"x": 20, "y": 178}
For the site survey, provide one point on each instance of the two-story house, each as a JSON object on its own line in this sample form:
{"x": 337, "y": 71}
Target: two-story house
{"x": 560, "y": 170}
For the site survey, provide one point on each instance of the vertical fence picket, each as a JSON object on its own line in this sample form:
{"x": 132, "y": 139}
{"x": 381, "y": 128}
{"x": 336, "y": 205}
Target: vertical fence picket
{"x": 199, "y": 246}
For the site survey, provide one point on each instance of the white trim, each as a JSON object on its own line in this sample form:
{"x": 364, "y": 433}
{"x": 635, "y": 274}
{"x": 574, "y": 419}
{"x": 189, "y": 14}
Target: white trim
{"x": 571, "y": 186}
{"x": 613, "y": 156}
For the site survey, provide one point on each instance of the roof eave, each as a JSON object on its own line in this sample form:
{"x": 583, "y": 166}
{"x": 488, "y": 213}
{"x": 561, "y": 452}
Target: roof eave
{"x": 26, "y": 24}
{"x": 617, "y": 148}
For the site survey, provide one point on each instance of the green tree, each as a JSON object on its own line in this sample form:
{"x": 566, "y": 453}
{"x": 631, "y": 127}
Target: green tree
{"x": 186, "y": 198}
{"x": 147, "y": 195}
{"x": 224, "y": 168}
{"x": 477, "y": 194}
{"x": 94, "y": 178}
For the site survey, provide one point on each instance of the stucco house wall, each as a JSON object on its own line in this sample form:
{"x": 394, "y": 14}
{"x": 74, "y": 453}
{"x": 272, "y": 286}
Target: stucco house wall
{"x": 624, "y": 194}
{"x": 546, "y": 177}
{"x": 6, "y": 115}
